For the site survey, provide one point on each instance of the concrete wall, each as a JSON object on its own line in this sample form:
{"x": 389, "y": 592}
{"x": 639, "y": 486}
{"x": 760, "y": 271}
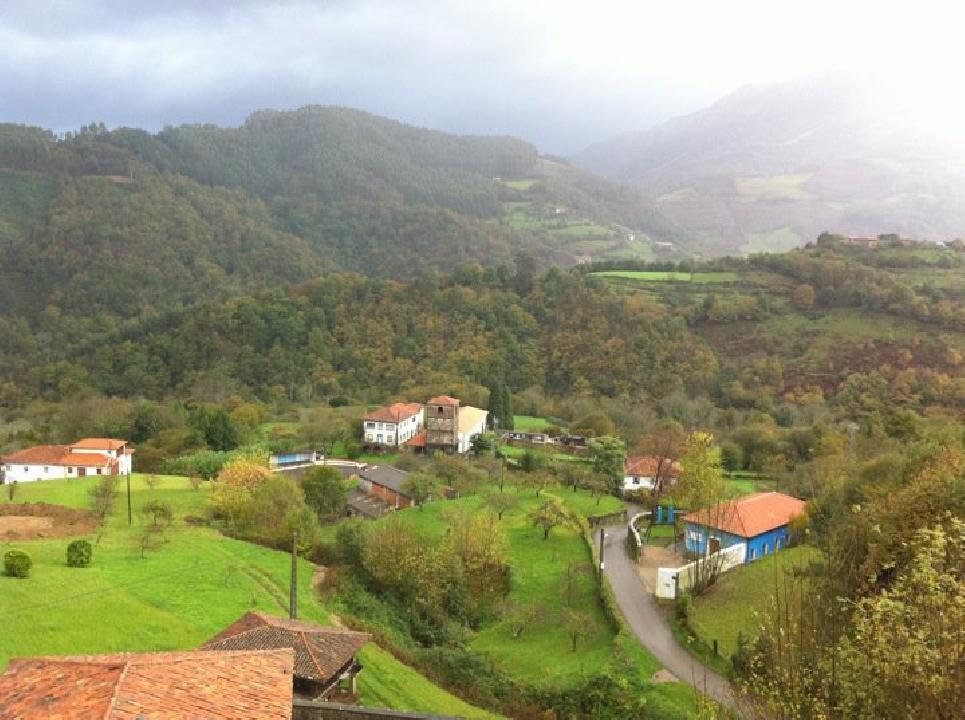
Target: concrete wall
{"x": 728, "y": 558}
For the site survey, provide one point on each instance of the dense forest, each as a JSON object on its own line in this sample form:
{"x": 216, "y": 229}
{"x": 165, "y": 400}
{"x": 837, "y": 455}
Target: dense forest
{"x": 124, "y": 222}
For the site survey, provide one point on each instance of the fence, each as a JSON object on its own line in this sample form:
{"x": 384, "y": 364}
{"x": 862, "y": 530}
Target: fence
{"x": 669, "y": 580}
{"x": 616, "y": 518}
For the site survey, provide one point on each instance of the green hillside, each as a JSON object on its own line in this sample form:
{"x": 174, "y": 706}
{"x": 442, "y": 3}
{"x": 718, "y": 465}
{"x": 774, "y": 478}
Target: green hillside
{"x": 173, "y": 598}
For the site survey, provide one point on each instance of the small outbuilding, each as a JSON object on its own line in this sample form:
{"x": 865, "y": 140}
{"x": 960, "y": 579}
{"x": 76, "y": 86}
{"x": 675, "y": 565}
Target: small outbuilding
{"x": 759, "y": 522}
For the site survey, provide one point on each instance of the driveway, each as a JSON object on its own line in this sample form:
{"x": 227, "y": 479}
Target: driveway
{"x": 648, "y": 624}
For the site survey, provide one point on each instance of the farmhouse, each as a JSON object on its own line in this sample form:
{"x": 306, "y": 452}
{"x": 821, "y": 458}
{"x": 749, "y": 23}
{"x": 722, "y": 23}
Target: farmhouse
{"x": 255, "y": 685}
{"x": 89, "y": 456}
{"x": 325, "y": 657}
{"x": 759, "y": 522}
{"x": 386, "y": 483}
{"x": 392, "y": 425}
{"x": 644, "y": 473}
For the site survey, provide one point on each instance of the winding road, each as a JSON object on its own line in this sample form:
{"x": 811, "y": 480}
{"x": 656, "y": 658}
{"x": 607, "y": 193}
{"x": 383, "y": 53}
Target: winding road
{"x": 648, "y": 624}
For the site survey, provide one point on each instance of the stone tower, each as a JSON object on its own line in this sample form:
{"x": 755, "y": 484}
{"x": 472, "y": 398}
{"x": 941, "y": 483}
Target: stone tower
{"x": 442, "y": 424}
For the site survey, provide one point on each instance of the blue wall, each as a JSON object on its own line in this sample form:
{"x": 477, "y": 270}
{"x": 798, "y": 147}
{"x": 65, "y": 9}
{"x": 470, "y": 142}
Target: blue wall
{"x": 764, "y": 544}
{"x": 757, "y": 547}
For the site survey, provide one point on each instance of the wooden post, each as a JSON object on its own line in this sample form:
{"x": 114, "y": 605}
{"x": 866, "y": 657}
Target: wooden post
{"x": 715, "y": 647}
{"x": 602, "y": 535}
{"x": 293, "y": 600}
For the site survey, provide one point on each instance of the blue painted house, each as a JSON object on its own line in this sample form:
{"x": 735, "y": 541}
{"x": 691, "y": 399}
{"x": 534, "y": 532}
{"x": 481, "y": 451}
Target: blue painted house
{"x": 757, "y": 521}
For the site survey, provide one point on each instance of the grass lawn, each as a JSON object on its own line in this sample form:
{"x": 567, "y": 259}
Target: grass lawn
{"x": 529, "y": 423}
{"x": 543, "y": 654}
{"x": 745, "y": 482}
{"x": 661, "y": 276}
{"x": 521, "y": 184}
{"x": 175, "y": 598}
{"x": 729, "y": 606}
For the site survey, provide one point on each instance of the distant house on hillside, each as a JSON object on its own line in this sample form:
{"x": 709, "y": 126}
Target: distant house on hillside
{"x": 325, "y": 657}
{"x": 662, "y": 246}
{"x": 641, "y": 473}
{"x": 759, "y": 522}
{"x": 256, "y": 685}
{"x": 392, "y": 425}
{"x": 450, "y": 426}
{"x": 89, "y": 456}
{"x": 386, "y": 483}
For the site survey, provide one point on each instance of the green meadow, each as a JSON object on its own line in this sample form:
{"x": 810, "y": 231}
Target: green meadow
{"x": 173, "y": 598}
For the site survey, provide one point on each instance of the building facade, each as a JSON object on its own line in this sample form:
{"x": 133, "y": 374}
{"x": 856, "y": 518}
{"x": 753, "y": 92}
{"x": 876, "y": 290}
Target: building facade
{"x": 392, "y": 425}
{"x": 89, "y": 456}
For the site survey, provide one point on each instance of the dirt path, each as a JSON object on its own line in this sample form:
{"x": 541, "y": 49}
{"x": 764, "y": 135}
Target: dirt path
{"x": 648, "y": 624}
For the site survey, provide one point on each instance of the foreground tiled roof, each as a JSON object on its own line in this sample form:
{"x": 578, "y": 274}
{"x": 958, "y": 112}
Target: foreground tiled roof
{"x": 443, "y": 400}
{"x": 646, "y": 466}
{"x": 320, "y": 652}
{"x": 750, "y": 516}
{"x": 99, "y": 444}
{"x": 396, "y": 412}
{"x": 160, "y": 686}
{"x": 58, "y": 455}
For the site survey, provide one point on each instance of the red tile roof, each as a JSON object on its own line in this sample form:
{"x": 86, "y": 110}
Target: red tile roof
{"x": 416, "y": 441}
{"x": 443, "y": 400}
{"x": 646, "y": 466}
{"x": 99, "y": 444}
{"x": 750, "y": 516}
{"x": 58, "y": 455}
{"x": 161, "y": 686}
{"x": 320, "y": 652}
{"x": 396, "y": 412}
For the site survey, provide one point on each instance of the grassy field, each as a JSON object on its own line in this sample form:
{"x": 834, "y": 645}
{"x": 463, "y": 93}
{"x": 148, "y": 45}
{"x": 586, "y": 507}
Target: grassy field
{"x": 745, "y": 482}
{"x": 773, "y": 187}
{"x": 529, "y": 423}
{"x": 774, "y": 241}
{"x": 661, "y": 276}
{"x": 543, "y": 654}
{"x": 521, "y": 183}
{"x": 174, "y": 598}
{"x": 729, "y": 607}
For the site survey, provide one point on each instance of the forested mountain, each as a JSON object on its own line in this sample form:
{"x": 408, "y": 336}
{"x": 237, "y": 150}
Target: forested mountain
{"x": 126, "y": 222}
{"x": 771, "y": 166}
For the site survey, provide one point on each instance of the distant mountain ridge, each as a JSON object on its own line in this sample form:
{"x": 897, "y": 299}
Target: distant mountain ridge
{"x": 129, "y": 222}
{"x": 771, "y": 166}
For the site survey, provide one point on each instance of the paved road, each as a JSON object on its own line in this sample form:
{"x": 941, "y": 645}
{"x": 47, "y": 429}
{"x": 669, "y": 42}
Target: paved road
{"x": 648, "y": 624}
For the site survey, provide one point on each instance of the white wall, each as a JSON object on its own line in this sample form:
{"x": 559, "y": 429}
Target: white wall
{"x": 405, "y": 429}
{"x": 465, "y": 439}
{"x": 33, "y": 473}
{"x": 642, "y": 483}
{"x": 728, "y": 558}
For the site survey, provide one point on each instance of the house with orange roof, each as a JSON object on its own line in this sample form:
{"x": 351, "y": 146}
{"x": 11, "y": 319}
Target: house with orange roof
{"x": 647, "y": 472}
{"x": 759, "y": 522}
{"x": 251, "y": 684}
{"x": 392, "y": 425}
{"x": 88, "y": 456}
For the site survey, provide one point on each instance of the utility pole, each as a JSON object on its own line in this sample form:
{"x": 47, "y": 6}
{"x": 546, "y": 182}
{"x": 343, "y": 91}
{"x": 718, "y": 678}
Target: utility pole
{"x": 602, "y": 535}
{"x": 293, "y": 600}
{"x": 128, "y": 498}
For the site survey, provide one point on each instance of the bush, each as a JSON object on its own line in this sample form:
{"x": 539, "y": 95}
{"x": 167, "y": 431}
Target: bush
{"x": 79, "y": 554}
{"x": 352, "y": 450}
{"x": 683, "y": 606}
{"x": 17, "y": 563}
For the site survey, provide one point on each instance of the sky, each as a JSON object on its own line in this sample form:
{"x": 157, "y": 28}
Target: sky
{"x": 560, "y": 74}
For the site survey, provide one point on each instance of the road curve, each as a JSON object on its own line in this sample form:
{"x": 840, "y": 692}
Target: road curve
{"x": 648, "y": 624}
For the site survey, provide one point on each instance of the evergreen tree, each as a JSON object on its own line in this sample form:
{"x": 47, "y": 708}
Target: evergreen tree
{"x": 495, "y": 404}
{"x": 507, "y": 421}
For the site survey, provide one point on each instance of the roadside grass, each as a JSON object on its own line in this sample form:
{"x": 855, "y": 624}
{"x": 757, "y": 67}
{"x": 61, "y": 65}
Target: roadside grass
{"x": 668, "y": 276}
{"x": 175, "y": 597}
{"x": 735, "y": 602}
{"x": 529, "y": 423}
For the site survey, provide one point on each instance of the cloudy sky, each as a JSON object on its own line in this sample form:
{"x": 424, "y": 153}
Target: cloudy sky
{"x": 557, "y": 73}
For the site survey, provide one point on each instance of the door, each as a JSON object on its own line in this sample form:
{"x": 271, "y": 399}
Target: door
{"x": 714, "y": 545}
{"x": 81, "y": 472}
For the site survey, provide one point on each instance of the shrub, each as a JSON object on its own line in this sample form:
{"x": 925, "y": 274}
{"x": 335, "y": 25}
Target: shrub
{"x": 79, "y": 554}
{"x": 352, "y": 450}
{"x": 17, "y": 563}
{"x": 683, "y": 606}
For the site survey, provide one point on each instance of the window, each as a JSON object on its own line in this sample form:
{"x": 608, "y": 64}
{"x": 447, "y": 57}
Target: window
{"x": 777, "y": 544}
{"x": 70, "y": 471}
{"x": 98, "y": 471}
{"x": 765, "y": 549}
{"x": 370, "y": 425}
{"x": 46, "y": 469}
{"x": 440, "y": 410}
{"x": 26, "y": 469}
{"x": 753, "y": 553}
{"x": 389, "y": 438}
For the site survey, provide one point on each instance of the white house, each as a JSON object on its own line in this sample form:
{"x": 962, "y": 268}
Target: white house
{"x": 89, "y": 456}
{"x": 640, "y": 473}
{"x": 392, "y": 425}
{"x": 472, "y": 422}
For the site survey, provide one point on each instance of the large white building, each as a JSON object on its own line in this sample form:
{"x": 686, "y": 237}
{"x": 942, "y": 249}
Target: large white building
{"x": 392, "y": 425}
{"x": 90, "y": 456}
